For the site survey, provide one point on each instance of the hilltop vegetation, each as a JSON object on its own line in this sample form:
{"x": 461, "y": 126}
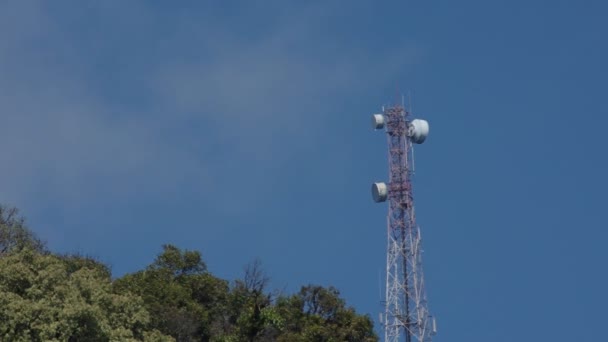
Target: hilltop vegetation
{"x": 46, "y": 296}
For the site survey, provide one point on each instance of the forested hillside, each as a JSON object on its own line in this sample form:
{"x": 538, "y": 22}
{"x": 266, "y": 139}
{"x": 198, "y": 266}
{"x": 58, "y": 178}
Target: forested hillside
{"x": 46, "y": 296}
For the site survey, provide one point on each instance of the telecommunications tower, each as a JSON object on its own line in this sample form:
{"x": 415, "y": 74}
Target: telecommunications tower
{"x": 406, "y": 316}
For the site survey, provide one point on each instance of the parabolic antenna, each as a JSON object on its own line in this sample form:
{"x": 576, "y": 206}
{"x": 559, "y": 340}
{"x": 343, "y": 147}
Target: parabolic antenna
{"x": 418, "y": 130}
{"x": 379, "y": 192}
{"x": 378, "y": 121}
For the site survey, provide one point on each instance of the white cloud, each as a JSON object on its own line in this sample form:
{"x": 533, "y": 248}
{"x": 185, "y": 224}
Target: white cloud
{"x": 256, "y": 99}
{"x": 57, "y": 135}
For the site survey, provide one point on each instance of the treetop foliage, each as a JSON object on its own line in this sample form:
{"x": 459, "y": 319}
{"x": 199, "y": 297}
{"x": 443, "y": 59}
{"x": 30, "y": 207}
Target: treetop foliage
{"x": 14, "y": 235}
{"x": 71, "y": 297}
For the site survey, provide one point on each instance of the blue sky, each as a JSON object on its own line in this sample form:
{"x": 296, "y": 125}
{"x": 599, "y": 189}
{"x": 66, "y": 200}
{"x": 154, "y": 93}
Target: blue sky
{"x": 243, "y": 130}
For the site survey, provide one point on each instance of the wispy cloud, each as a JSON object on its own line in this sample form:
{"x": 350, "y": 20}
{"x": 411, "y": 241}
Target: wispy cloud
{"x": 58, "y": 134}
{"x": 136, "y": 98}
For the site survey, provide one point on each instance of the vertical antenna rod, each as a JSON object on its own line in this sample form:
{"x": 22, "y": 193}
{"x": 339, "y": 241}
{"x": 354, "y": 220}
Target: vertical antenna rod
{"x": 406, "y": 317}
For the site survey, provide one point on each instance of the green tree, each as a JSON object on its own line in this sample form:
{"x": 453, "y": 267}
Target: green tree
{"x": 185, "y": 300}
{"x": 71, "y": 297}
{"x": 318, "y": 314}
{"x": 41, "y": 300}
{"x": 14, "y": 234}
{"x": 251, "y": 315}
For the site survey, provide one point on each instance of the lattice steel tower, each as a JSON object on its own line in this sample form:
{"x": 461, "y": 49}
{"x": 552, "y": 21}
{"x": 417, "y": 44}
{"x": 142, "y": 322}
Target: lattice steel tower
{"x": 406, "y": 316}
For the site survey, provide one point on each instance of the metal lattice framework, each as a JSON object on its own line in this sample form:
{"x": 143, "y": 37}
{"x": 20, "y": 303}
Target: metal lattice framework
{"x": 406, "y": 315}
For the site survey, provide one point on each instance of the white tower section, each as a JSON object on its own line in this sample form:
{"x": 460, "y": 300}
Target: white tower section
{"x": 406, "y": 317}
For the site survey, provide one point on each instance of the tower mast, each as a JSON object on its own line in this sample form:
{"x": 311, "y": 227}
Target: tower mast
{"x": 406, "y": 317}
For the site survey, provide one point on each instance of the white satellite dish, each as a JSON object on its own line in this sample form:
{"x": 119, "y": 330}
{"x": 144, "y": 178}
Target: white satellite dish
{"x": 379, "y": 192}
{"x": 378, "y": 121}
{"x": 418, "y": 130}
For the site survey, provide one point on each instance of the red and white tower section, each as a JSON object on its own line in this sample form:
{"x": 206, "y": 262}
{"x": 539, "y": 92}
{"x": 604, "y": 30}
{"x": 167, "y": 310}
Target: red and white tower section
{"x": 406, "y": 316}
